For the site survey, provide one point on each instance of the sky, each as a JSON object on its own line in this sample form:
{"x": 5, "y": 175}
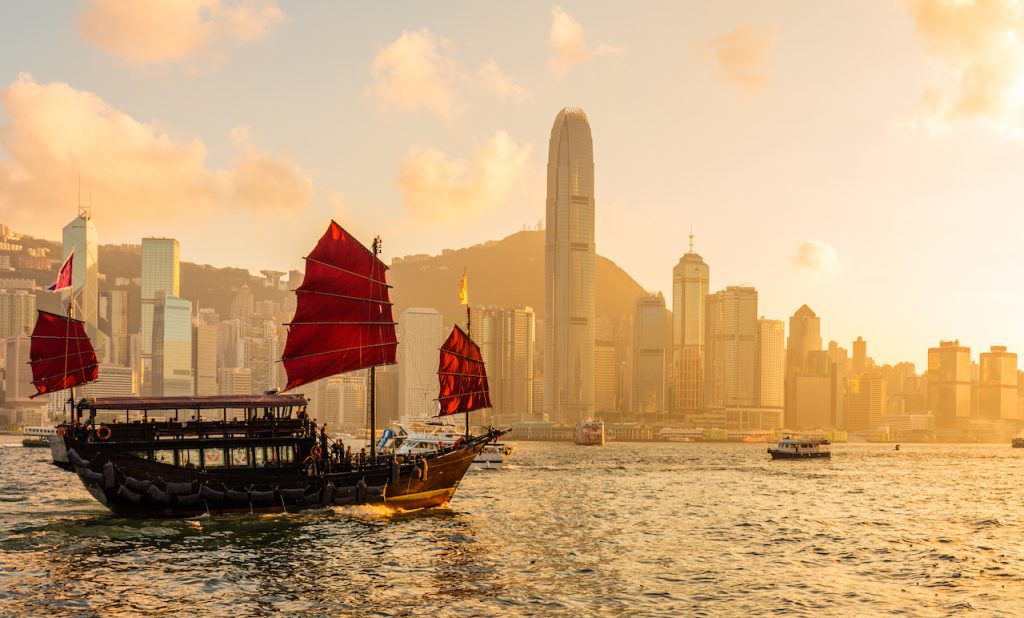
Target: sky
{"x": 863, "y": 157}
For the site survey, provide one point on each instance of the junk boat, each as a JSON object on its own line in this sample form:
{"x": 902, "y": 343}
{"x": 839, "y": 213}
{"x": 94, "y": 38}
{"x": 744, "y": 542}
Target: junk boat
{"x": 188, "y": 456}
{"x": 800, "y": 448}
{"x": 590, "y": 433}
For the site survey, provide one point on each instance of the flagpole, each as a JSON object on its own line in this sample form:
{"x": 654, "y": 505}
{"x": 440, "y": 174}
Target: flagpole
{"x": 469, "y": 329}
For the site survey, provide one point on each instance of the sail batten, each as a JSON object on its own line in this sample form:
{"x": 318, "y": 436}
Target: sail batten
{"x": 343, "y": 317}
{"x": 61, "y": 354}
{"x": 461, "y": 376}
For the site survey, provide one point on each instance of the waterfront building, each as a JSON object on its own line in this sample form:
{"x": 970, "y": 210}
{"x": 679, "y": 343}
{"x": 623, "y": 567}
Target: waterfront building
{"x": 344, "y": 402}
{"x": 606, "y": 372}
{"x": 997, "y": 387}
{"x": 730, "y": 348}
{"x": 160, "y": 275}
{"x": 235, "y": 381}
{"x": 81, "y": 236}
{"x": 420, "y": 336}
{"x": 804, "y": 338}
{"x": 949, "y": 385}
{"x": 569, "y": 276}
{"x": 172, "y": 347}
{"x": 650, "y": 355}
{"x": 866, "y": 401}
{"x": 17, "y": 313}
{"x": 690, "y": 279}
{"x": 206, "y": 359}
{"x": 771, "y": 363}
{"x": 17, "y": 372}
{"x": 116, "y": 318}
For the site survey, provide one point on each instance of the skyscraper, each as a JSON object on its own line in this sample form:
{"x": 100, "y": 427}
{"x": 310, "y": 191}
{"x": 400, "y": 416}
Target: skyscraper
{"x": 117, "y": 326}
{"x": 860, "y": 356}
{"x": 206, "y": 359}
{"x": 172, "y": 347}
{"x": 17, "y": 373}
{"x": 771, "y": 363}
{"x": 997, "y": 388}
{"x": 689, "y": 294}
{"x": 949, "y": 384}
{"x": 650, "y": 352}
{"x": 866, "y": 401}
{"x": 569, "y": 282}
{"x": 808, "y": 389}
{"x": 730, "y": 364}
{"x": 81, "y": 236}
{"x": 17, "y": 313}
{"x": 160, "y": 273}
{"x": 419, "y": 336}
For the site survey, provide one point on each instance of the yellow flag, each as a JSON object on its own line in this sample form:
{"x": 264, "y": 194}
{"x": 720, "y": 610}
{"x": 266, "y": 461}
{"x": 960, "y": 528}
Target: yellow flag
{"x": 463, "y": 290}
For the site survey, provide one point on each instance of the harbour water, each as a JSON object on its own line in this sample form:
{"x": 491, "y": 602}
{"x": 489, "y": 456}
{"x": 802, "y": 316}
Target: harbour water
{"x": 627, "y": 529}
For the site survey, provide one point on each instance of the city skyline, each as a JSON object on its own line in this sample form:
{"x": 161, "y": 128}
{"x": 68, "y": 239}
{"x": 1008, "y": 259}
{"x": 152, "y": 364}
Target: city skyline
{"x": 863, "y": 234}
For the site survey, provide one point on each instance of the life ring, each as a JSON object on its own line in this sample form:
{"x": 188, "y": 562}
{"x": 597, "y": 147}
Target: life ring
{"x": 62, "y": 432}
{"x": 103, "y": 432}
{"x": 315, "y": 452}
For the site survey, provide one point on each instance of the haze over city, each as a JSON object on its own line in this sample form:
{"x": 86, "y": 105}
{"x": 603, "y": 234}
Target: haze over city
{"x": 858, "y": 157}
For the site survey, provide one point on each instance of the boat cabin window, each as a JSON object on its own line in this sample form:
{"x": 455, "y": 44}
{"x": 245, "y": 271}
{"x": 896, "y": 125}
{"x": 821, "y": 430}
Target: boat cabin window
{"x": 213, "y": 457}
{"x": 166, "y": 457}
{"x": 239, "y": 457}
{"x": 189, "y": 458}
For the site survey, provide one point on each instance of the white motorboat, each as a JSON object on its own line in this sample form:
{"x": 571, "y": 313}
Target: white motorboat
{"x": 801, "y": 448}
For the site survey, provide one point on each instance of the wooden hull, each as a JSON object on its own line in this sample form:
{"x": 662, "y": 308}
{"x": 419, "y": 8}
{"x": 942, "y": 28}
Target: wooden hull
{"x": 134, "y": 487}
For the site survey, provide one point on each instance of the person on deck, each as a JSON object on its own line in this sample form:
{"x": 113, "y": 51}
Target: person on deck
{"x": 338, "y": 451}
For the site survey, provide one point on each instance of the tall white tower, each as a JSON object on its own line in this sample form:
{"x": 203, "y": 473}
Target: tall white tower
{"x": 81, "y": 236}
{"x": 569, "y": 278}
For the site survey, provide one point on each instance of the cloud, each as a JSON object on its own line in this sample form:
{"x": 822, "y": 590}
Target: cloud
{"x": 568, "y": 43}
{"x": 138, "y": 172}
{"x": 740, "y": 56}
{"x": 816, "y": 257}
{"x": 978, "y": 49}
{"x": 165, "y": 31}
{"x": 420, "y": 70}
{"x": 437, "y": 187}
{"x": 493, "y": 79}
{"x": 417, "y": 70}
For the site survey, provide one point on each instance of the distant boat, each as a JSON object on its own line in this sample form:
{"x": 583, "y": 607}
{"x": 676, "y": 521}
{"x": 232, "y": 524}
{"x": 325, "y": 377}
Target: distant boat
{"x": 803, "y": 448}
{"x": 37, "y": 437}
{"x": 590, "y": 433}
{"x": 1017, "y": 443}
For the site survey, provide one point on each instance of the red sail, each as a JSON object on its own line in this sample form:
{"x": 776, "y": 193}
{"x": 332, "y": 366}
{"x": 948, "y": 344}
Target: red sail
{"x": 61, "y": 354}
{"x": 343, "y": 319}
{"x": 462, "y": 376}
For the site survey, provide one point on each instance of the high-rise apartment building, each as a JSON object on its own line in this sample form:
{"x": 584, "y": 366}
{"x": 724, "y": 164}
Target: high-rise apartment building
{"x": 690, "y": 279}
{"x": 949, "y": 384}
{"x": 235, "y": 381}
{"x": 808, "y": 389}
{"x": 730, "y": 349}
{"x": 860, "y": 356}
{"x": 116, "y": 318}
{"x": 420, "y": 336}
{"x": 771, "y": 363}
{"x": 606, "y": 371}
{"x": 160, "y": 274}
{"x": 866, "y": 401}
{"x": 997, "y": 387}
{"x": 81, "y": 236}
{"x": 17, "y": 373}
{"x": 206, "y": 359}
{"x": 17, "y": 313}
{"x": 172, "y": 347}
{"x": 569, "y": 277}
{"x": 650, "y": 355}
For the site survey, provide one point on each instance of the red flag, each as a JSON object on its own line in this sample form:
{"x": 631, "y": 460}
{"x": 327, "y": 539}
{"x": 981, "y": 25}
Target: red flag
{"x": 64, "y": 274}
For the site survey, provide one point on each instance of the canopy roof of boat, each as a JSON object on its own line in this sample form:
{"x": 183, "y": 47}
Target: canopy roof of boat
{"x": 192, "y": 403}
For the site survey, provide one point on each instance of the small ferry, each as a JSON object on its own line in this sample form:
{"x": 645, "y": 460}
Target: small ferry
{"x": 493, "y": 456}
{"x": 800, "y": 448}
{"x": 590, "y": 433}
{"x": 37, "y": 437}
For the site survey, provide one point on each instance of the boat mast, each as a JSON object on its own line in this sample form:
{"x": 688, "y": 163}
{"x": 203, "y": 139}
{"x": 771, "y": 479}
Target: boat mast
{"x": 373, "y": 380}
{"x": 71, "y": 315}
{"x": 469, "y": 332}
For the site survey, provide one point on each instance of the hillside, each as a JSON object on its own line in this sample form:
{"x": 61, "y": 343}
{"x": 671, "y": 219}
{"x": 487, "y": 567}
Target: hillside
{"x": 505, "y": 273}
